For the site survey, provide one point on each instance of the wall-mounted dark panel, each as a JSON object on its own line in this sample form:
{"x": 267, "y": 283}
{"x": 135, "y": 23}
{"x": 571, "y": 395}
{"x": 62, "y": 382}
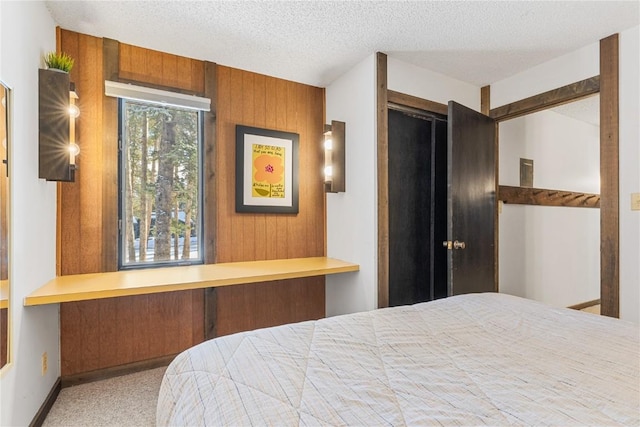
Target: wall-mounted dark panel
{"x": 53, "y": 118}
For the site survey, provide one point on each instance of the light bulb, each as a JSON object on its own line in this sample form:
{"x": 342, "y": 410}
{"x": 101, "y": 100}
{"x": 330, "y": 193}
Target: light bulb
{"x": 328, "y": 172}
{"x": 74, "y": 149}
{"x": 74, "y": 111}
{"x": 328, "y": 144}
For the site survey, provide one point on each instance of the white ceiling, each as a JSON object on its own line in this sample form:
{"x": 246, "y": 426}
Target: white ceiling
{"x": 314, "y": 42}
{"x": 586, "y": 110}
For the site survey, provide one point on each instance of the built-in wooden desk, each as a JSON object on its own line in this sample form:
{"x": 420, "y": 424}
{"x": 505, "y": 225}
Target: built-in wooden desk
{"x": 82, "y": 287}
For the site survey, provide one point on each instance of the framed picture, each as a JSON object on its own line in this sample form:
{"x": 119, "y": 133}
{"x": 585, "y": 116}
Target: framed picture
{"x": 266, "y": 170}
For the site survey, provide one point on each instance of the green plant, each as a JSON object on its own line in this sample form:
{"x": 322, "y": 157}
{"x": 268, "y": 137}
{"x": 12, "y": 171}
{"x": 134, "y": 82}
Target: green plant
{"x": 60, "y": 61}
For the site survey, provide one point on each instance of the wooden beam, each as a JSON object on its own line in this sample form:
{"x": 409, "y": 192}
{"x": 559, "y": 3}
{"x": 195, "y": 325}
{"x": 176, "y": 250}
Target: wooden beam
{"x": 485, "y": 100}
{"x": 485, "y": 106}
{"x": 543, "y": 101}
{"x": 209, "y": 185}
{"x": 382, "y": 112}
{"x": 545, "y": 197}
{"x": 110, "y": 71}
{"x": 609, "y": 179}
{"x": 399, "y": 98}
{"x": 58, "y": 189}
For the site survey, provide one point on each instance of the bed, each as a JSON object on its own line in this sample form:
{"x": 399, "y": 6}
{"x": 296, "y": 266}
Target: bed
{"x": 476, "y": 359}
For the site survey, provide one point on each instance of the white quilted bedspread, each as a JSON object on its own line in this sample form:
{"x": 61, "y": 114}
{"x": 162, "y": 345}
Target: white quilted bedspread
{"x": 479, "y": 359}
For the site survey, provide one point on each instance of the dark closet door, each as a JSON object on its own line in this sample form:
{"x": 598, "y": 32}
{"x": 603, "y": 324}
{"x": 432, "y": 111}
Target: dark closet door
{"x": 471, "y": 201}
{"x": 409, "y": 208}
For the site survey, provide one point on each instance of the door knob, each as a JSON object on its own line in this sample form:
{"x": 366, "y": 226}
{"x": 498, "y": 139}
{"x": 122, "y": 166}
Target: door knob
{"x": 459, "y": 245}
{"x": 454, "y": 245}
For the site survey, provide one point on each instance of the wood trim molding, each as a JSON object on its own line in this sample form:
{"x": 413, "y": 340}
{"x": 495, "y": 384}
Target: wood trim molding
{"x": 111, "y": 59}
{"x": 110, "y": 70}
{"x": 168, "y": 88}
{"x": 607, "y": 84}
{"x": 382, "y": 130}
{"x": 584, "y": 305}
{"x": 210, "y": 205}
{"x": 543, "y": 101}
{"x": 58, "y": 188}
{"x": 609, "y": 178}
{"x": 485, "y": 106}
{"x": 415, "y": 102}
{"x": 209, "y": 184}
{"x": 210, "y": 313}
{"x": 41, "y": 415}
{"x": 544, "y": 197}
{"x": 485, "y": 100}
{"x": 116, "y": 371}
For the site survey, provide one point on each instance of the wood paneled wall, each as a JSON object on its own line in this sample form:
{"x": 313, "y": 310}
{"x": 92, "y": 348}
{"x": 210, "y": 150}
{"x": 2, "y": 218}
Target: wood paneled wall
{"x": 266, "y": 102}
{"x": 106, "y": 333}
{"x": 109, "y": 332}
{"x": 80, "y": 215}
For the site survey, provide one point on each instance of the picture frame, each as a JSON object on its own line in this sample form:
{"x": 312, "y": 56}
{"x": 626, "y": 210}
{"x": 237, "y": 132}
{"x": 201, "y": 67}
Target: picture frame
{"x": 266, "y": 170}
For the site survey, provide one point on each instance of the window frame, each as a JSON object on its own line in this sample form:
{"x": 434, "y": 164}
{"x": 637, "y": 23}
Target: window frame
{"x": 122, "y": 186}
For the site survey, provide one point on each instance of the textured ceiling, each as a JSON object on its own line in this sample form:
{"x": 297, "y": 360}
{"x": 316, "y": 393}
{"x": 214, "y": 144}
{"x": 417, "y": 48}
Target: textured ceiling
{"x": 586, "y": 110}
{"x": 314, "y": 42}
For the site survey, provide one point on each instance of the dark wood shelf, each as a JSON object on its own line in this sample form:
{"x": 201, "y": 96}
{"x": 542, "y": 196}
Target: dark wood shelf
{"x": 545, "y": 197}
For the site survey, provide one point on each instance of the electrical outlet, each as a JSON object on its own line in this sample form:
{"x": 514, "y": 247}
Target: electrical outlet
{"x": 635, "y": 201}
{"x": 45, "y": 363}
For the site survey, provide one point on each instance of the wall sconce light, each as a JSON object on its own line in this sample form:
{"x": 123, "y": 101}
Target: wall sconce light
{"x": 57, "y": 113}
{"x": 74, "y": 113}
{"x": 334, "y": 157}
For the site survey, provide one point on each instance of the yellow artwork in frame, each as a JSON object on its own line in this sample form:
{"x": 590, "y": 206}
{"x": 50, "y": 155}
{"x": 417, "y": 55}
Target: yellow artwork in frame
{"x": 266, "y": 170}
{"x": 268, "y": 175}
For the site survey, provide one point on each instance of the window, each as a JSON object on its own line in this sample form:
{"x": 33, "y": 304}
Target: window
{"x": 160, "y": 184}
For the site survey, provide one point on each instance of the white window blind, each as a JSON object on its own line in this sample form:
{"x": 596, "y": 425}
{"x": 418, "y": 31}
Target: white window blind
{"x": 157, "y": 96}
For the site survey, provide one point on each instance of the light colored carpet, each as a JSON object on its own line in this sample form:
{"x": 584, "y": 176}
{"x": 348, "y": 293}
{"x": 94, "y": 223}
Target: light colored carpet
{"x": 128, "y": 400}
{"x": 595, "y": 309}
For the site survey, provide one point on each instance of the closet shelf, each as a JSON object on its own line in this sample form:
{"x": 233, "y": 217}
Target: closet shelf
{"x": 545, "y": 197}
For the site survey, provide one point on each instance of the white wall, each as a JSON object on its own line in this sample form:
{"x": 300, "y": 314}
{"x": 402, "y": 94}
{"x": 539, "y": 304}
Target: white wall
{"x": 412, "y": 80}
{"x": 629, "y": 174}
{"x": 352, "y": 226}
{"x": 578, "y": 65}
{"x": 570, "y": 68}
{"x": 550, "y": 254}
{"x": 352, "y": 219}
{"x": 27, "y": 31}
{"x": 351, "y": 216}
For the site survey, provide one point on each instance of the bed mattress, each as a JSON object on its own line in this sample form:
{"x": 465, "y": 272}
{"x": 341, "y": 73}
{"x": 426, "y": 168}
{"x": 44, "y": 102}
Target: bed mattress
{"x": 477, "y": 359}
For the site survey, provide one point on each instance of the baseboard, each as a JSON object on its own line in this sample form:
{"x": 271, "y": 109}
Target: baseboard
{"x": 42, "y": 413}
{"x": 116, "y": 371}
{"x": 585, "y": 304}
